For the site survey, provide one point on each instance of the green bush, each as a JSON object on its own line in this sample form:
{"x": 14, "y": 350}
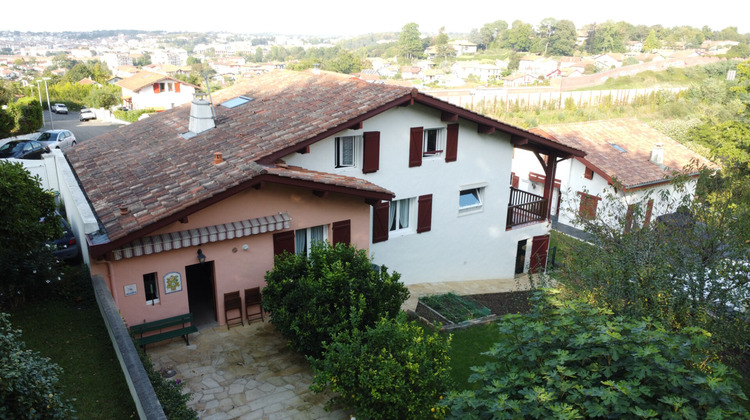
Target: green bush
{"x": 310, "y": 297}
{"x": 169, "y": 391}
{"x": 568, "y": 359}
{"x": 27, "y": 114}
{"x": 28, "y": 382}
{"x": 133, "y": 115}
{"x": 393, "y": 370}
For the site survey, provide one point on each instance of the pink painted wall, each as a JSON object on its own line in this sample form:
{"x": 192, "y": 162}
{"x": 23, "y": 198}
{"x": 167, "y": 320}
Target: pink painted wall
{"x": 234, "y": 268}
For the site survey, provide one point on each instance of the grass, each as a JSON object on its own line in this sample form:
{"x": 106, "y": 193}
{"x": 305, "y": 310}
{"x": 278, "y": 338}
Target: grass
{"x": 466, "y": 351}
{"x": 74, "y": 337}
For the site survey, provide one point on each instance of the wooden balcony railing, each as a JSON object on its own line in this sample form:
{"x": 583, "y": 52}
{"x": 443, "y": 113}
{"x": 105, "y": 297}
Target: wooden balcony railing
{"x": 525, "y": 207}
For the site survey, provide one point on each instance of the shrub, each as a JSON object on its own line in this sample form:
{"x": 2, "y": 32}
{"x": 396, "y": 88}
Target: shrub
{"x": 169, "y": 391}
{"x": 28, "y": 387}
{"x": 393, "y": 370}
{"x": 568, "y": 359}
{"x": 310, "y": 297}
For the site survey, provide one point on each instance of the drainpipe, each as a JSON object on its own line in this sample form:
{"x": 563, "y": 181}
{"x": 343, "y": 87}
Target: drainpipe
{"x": 110, "y": 279}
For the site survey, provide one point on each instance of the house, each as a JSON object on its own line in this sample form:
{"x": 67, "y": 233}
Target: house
{"x": 153, "y": 90}
{"x": 463, "y": 46}
{"x": 518, "y": 79}
{"x": 411, "y": 72}
{"x": 537, "y": 66}
{"x": 639, "y": 161}
{"x": 191, "y": 207}
{"x": 483, "y": 71}
{"x": 608, "y": 61}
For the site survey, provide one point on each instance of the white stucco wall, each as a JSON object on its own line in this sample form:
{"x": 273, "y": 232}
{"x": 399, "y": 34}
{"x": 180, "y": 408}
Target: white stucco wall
{"x": 146, "y": 98}
{"x": 459, "y": 246}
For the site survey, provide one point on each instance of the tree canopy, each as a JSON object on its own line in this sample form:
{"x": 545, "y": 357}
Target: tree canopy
{"x": 409, "y": 42}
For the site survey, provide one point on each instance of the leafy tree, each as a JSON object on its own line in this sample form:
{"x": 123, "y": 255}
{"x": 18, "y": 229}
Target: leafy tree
{"x": 570, "y": 359}
{"x": 344, "y": 62}
{"x": 441, "y": 45}
{"x": 739, "y": 51}
{"x": 310, "y": 298}
{"x": 409, "y": 42}
{"x": 27, "y": 115}
{"x": 563, "y": 40}
{"x": 605, "y": 37}
{"x": 105, "y": 97}
{"x": 259, "y": 55}
{"x": 192, "y": 60}
{"x": 25, "y": 260}
{"x": 488, "y": 34}
{"x": 61, "y": 61}
{"x": 545, "y": 30}
{"x": 518, "y": 37}
{"x": 29, "y": 388}
{"x": 392, "y": 370}
{"x": 651, "y": 43}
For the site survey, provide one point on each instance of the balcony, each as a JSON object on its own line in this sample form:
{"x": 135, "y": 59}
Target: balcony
{"x": 525, "y": 207}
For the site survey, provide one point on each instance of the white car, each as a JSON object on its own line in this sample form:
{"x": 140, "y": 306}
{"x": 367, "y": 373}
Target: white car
{"x": 87, "y": 114}
{"x": 57, "y": 139}
{"x": 60, "y": 109}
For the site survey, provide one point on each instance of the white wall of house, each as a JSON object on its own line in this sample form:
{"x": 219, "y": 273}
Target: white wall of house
{"x": 146, "y": 98}
{"x": 461, "y": 245}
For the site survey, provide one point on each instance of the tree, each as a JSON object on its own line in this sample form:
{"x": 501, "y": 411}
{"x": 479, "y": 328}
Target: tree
{"x": 259, "y": 55}
{"x": 518, "y": 37}
{"x": 442, "y": 48}
{"x": 29, "y": 388}
{"x": 344, "y": 62}
{"x": 27, "y": 115}
{"x": 392, "y": 370}
{"x": 310, "y": 298}
{"x": 563, "y": 40}
{"x": 570, "y": 359}
{"x": 25, "y": 260}
{"x": 546, "y": 29}
{"x": 488, "y": 34}
{"x": 409, "y": 42}
{"x": 605, "y": 37}
{"x": 651, "y": 43}
{"x": 105, "y": 97}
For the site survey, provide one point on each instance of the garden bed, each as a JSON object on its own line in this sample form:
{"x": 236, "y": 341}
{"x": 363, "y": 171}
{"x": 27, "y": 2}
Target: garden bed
{"x": 497, "y": 304}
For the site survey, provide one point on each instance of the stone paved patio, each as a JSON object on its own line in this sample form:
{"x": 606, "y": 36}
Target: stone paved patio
{"x": 248, "y": 372}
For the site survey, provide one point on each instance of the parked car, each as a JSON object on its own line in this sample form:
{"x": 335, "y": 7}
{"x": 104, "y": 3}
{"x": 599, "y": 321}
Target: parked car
{"x": 23, "y": 149}
{"x": 57, "y": 139}
{"x": 66, "y": 247}
{"x": 87, "y": 114}
{"x": 60, "y": 109}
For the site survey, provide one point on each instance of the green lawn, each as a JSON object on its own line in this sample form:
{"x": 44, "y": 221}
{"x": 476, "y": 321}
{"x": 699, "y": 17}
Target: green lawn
{"x": 75, "y": 338}
{"x": 466, "y": 351}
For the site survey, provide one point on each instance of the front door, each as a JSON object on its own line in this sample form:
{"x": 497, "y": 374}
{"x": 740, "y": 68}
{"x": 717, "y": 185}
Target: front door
{"x": 201, "y": 293}
{"x": 539, "y": 247}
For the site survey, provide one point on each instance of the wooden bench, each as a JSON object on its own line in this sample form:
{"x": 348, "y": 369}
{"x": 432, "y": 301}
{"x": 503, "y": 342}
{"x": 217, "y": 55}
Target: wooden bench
{"x": 184, "y": 322}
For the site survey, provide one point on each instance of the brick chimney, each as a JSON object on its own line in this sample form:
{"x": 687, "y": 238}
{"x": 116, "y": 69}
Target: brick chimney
{"x": 201, "y": 115}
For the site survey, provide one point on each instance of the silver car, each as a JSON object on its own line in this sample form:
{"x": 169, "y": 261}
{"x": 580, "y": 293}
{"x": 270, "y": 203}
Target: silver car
{"x": 87, "y": 114}
{"x": 57, "y": 139}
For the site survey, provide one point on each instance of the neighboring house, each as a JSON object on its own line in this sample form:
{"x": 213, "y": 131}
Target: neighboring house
{"x": 88, "y": 81}
{"x": 463, "y": 46}
{"x": 609, "y": 61}
{"x": 411, "y": 72}
{"x": 537, "y": 66}
{"x": 191, "y": 207}
{"x": 153, "y": 90}
{"x": 484, "y": 72}
{"x": 625, "y": 151}
{"x": 518, "y": 79}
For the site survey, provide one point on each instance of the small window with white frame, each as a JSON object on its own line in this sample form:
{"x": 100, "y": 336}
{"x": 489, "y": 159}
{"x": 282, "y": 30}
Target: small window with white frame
{"x": 305, "y": 238}
{"x": 434, "y": 142}
{"x": 151, "y": 287}
{"x": 346, "y": 151}
{"x": 470, "y": 199}
{"x": 400, "y": 215}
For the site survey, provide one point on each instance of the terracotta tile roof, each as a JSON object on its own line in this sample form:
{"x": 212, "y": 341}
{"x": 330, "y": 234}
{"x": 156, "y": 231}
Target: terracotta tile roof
{"x": 295, "y": 172}
{"x": 633, "y": 167}
{"x": 150, "y": 169}
{"x": 142, "y": 79}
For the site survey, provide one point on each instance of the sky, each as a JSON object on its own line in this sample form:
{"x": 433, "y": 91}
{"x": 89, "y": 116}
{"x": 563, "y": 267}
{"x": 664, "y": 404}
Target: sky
{"x": 348, "y": 18}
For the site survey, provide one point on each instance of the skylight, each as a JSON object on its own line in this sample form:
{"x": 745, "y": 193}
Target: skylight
{"x": 232, "y": 103}
{"x": 618, "y": 148}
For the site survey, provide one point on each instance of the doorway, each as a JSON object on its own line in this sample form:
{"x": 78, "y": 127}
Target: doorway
{"x": 201, "y": 293}
{"x": 520, "y": 256}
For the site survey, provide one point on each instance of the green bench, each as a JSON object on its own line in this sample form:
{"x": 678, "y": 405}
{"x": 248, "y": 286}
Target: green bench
{"x": 183, "y": 322}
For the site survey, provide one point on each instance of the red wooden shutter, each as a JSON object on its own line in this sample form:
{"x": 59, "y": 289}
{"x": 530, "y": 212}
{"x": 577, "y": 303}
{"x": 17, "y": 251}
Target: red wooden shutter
{"x": 380, "y": 222}
{"x": 539, "y": 247}
{"x": 629, "y": 217}
{"x": 283, "y": 241}
{"x": 415, "y": 146}
{"x": 514, "y": 179}
{"x": 371, "y": 152}
{"x": 649, "y": 209}
{"x": 588, "y": 173}
{"x": 177, "y": 87}
{"x": 342, "y": 232}
{"x": 156, "y": 88}
{"x": 424, "y": 213}
{"x": 451, "y": 145}
{"x": 587, "y": 209}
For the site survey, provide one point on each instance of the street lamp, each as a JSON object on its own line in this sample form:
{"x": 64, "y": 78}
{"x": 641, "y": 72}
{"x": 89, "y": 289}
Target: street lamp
{"x": 39, "y": 88}
{"x": 49, "y": 107}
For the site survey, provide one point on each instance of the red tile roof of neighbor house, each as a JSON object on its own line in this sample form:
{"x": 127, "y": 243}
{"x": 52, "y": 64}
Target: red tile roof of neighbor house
{"x": 156, "y": 174}
{"x": 632, "y": 168}
{"x": 142, "y": 79}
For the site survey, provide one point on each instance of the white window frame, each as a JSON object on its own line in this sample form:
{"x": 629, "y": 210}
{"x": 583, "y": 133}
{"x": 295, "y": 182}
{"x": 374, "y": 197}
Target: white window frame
{"x": 474, "y": 208}
{"x": 339, "y": 151}
{"x": 440, "y": 135}
{"x": 411, "y": 212}
{"x": 308, "y": 238}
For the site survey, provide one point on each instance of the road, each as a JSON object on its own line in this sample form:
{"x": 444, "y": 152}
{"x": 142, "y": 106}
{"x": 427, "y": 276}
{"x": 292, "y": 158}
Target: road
{"x": 82, "y": 130}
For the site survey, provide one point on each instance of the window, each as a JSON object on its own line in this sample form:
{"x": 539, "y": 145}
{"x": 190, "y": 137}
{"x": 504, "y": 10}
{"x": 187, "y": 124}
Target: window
{"x": 587, "y": 209}
{"x": 588, "y": 173}
{"x": 434, "y": 139}
{"x": 470, "y": 199}
{"x": 161, "y": 87}
{"x": 151, "y": 286}
{"x": 305, "y": 238}
{"x": 345, "y": 151}
{"x": 399, "y": 215}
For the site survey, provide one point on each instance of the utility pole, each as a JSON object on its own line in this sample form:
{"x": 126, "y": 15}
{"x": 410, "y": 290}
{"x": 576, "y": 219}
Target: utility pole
{"x": 39, "y": 88}
{"x": 52, "y": 121}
